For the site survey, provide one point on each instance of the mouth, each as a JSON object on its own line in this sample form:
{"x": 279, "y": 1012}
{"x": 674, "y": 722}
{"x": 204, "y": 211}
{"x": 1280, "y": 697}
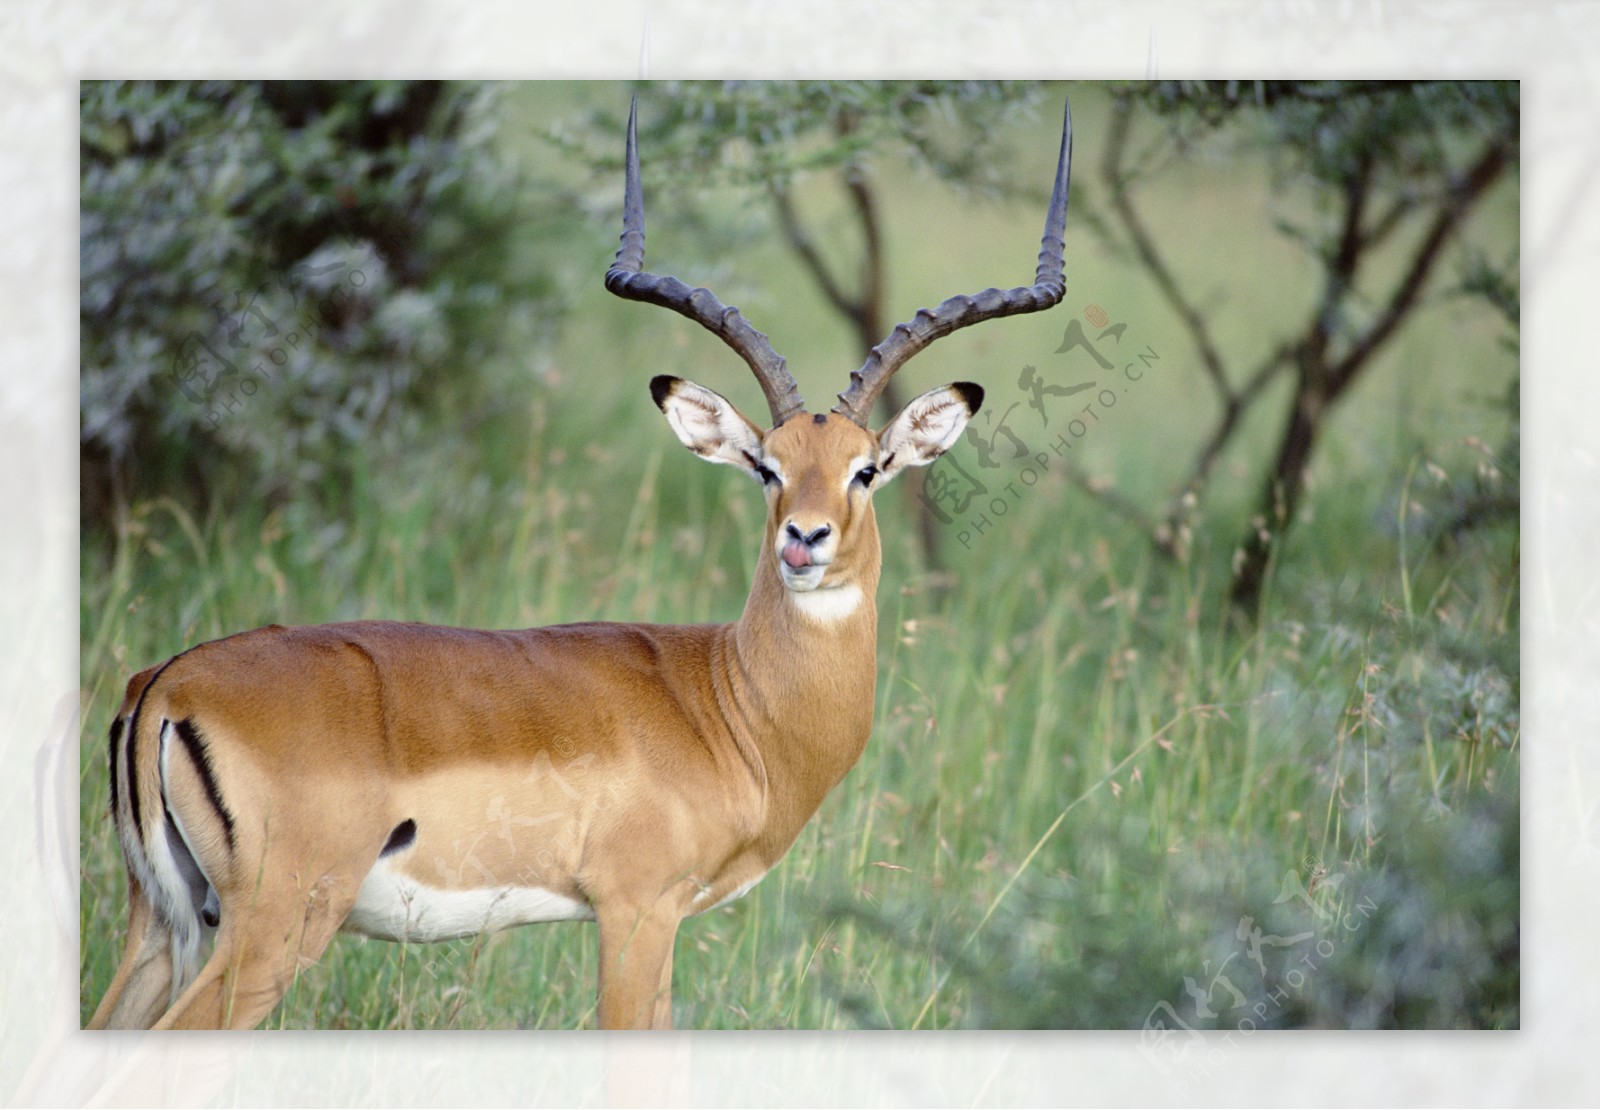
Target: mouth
{"x": 801, "y": 579}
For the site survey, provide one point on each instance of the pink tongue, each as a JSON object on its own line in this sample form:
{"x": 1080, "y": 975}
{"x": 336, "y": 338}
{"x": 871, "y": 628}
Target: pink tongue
{"x": 796, "y": 554}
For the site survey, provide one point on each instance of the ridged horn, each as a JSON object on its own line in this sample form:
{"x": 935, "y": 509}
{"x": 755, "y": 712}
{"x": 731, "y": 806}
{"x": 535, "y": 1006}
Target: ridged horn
{"x": 626, "y": 278}
{"x": 1049, "y": 286}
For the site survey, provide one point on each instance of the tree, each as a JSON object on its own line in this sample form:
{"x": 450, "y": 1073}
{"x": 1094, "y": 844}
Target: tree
{"x": 1385, "y": 163}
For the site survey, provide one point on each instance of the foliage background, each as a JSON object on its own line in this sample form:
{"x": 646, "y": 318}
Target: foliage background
{"x": 1085, "y": 772}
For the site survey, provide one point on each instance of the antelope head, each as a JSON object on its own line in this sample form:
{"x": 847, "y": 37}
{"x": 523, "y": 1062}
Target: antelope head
{"x": 820, "y": 471}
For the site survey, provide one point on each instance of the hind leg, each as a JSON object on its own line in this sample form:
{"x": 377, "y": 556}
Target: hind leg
{"x": 261, "y": 946}
{"x": 142, "y": 986}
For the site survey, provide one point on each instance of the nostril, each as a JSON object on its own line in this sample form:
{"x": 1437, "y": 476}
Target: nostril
{"x": 809, "y": 539}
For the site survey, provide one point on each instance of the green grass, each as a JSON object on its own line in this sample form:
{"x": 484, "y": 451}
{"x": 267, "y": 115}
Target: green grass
{"x": 1083, "y": 772}
{"x": 1075, "y": 763}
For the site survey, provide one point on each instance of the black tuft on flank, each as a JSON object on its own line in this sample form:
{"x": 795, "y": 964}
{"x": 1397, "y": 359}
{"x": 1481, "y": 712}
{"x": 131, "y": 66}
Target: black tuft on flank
{"x": 399, "y": 840}
{"x": 970, "y": 393}
{"x": 661, "y": 388}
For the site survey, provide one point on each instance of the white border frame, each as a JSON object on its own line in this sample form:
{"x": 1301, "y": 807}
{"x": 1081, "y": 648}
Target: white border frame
{"x": 1554, "y": 48}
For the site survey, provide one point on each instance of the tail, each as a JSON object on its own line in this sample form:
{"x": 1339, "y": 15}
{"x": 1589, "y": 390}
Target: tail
{"x": 156, "y": 839}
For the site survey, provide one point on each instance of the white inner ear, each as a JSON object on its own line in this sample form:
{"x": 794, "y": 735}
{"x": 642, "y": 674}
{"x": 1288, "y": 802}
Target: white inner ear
{"x": 711, "y": 427}
{"x": 925, "y": 429}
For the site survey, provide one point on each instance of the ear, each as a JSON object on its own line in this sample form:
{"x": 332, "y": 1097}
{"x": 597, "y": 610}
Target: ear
{"x": 706, "y": 423}
{"x": 927, "y": 427}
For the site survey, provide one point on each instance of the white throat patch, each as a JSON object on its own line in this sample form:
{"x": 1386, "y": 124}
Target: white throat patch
{"x": 828, "y": 605}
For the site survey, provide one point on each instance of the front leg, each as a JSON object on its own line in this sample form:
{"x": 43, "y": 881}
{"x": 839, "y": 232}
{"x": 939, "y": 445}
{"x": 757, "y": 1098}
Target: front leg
{"x": 636, "y": 966}
{"x": 662, "y": 1018}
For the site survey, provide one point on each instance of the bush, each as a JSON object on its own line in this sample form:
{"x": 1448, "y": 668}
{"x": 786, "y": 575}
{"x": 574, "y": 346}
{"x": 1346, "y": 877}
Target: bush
{"x": 271, "y": 274}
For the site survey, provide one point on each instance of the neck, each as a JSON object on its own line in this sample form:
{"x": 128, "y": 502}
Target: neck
{"x": 809, "y": 669}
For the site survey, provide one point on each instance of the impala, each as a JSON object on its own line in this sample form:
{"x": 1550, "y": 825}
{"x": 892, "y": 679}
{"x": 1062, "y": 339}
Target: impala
{"x": 418, "y": 783}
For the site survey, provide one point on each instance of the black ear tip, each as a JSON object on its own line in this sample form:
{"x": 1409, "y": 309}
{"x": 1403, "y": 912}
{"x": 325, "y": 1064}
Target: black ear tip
{"x": 661, "y": 387}
{"x": 971, "y": 393}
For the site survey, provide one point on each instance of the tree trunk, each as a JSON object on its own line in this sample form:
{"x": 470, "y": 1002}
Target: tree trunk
{"x": 1280, "y": 496}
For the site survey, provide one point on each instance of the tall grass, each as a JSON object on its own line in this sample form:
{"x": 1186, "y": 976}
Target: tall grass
{"x": 1085, "y": 773}
{"x": 1081, "y": 774}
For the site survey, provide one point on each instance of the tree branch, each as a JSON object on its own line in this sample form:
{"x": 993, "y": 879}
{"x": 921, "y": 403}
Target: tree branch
{"x": 869, "y": 306}
{"x": 1391, "y": 219}
{"x": 1233, "y": 412}
{"x": 1144, "y": 245}
{"x": 801, "y": 243}
{"x": 1465, "y": 193}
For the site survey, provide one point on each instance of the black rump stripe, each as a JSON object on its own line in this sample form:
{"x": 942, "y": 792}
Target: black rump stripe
{"x": 116, "y": 738}
{"x": 196, "y": 745}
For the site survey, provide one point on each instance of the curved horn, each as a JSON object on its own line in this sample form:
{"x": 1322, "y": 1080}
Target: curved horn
{"x": 1049, "y": 286}
{"x": 626, "y": 278}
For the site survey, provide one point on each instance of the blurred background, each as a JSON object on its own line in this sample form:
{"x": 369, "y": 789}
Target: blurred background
{"x": 1198, "y": 699}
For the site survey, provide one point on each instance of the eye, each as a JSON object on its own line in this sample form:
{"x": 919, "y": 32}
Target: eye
{"x": 866, "y": 475}
{"x": 765, "y": 474}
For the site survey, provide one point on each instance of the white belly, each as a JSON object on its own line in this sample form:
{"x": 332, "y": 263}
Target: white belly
{"x": 392, "y": 906}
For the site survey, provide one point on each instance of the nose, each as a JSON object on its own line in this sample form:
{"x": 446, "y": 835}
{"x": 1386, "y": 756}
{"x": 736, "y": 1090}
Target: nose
{"x": 810, "y": 539}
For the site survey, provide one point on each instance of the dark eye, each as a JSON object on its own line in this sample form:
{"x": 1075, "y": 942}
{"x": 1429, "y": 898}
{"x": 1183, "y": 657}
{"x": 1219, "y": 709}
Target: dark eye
{"x": 766, "y": 475}
{"x": 865, "y": 476}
